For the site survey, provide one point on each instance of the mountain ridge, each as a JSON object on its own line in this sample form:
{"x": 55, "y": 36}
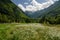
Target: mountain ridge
{"x": 49, "y": 15}
{"x": 40, "y": 12}
{"x": 10, "y": 12}
{"x": 52, "y": 15}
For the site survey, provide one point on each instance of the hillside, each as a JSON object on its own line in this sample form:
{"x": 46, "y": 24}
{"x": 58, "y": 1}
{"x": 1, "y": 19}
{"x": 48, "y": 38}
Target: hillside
{"x": 9, "y": 12}
{"x": 52, "y": 14}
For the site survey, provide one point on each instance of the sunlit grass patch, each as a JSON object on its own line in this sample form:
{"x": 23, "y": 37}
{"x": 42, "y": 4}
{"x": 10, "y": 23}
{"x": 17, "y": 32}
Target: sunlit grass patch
{"x": 28, "y": 32}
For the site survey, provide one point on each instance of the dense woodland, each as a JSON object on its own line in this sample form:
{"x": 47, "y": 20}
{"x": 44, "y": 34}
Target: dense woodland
{"x": 9, "y": 13}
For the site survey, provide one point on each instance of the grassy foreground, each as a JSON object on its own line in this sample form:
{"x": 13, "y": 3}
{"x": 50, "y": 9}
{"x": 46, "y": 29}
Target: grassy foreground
{"x": 28, "y": 32}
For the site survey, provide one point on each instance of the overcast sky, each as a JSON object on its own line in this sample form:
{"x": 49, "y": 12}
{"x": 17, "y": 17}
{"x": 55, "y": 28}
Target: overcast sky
{"x": 33, "y": 5}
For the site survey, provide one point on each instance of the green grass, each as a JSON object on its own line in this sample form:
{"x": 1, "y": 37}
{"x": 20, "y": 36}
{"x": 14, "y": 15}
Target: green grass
{"x": 31, "y": 31}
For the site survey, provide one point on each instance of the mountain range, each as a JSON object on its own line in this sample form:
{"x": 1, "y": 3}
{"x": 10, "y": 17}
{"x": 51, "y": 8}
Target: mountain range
{"x": 9, "y": 12}
{"x": 50, "y": 14}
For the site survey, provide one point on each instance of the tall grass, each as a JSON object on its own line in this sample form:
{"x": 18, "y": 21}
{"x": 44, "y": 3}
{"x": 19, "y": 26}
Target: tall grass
{"x": 28, "y": 32}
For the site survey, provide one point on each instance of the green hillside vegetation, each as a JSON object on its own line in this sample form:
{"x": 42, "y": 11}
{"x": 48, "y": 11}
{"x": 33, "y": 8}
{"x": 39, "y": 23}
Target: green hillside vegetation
{"x": 15, "y": 25}
{"x": 9, "y": 12}
{"x": 52, "y": 16}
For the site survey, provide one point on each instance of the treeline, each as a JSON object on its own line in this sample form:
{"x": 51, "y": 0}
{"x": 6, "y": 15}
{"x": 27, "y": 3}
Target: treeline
{"x": 52, "y": 17}
{"x": 9, "y": 19}
{"x": 9, "y": 13}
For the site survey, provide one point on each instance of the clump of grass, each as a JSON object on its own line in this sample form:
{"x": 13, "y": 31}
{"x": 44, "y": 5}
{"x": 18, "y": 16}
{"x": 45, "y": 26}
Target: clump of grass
{"x": 13, "y": 32}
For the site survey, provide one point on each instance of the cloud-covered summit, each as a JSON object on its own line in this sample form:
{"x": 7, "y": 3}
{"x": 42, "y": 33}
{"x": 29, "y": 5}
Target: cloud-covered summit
{"x": 34, "y": 5}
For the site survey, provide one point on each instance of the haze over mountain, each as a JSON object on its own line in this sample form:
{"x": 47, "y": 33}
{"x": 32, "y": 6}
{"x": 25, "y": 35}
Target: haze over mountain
{"x": 31, "y": 6}
{"x": 52, "y": 14}
{"x": 38, "y": 13}
{"x": 49, "y": 13}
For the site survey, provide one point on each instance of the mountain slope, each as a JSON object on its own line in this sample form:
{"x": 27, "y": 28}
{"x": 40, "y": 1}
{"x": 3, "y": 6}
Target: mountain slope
{"x": 52, "y": 14}
{"x": 49, "y": 15}
{"x": 9, "y": 12}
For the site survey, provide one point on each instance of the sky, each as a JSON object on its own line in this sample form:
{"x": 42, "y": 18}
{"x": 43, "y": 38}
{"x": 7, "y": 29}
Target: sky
{"x": 33, "y": 5}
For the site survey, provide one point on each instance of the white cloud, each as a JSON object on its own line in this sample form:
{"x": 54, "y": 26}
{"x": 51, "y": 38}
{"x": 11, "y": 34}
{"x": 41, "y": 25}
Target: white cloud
{"x": 30, "y": 8}
{"x": 21, "y": 6}
{"x": 37, "y": 6}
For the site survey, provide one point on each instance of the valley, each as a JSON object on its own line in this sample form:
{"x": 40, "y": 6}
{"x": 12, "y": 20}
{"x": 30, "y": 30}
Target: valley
{"x": 15, "y": 24}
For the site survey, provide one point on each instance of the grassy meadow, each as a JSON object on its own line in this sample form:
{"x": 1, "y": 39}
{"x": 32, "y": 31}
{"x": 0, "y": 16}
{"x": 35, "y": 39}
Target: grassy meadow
{"x": 33, "y": 31}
